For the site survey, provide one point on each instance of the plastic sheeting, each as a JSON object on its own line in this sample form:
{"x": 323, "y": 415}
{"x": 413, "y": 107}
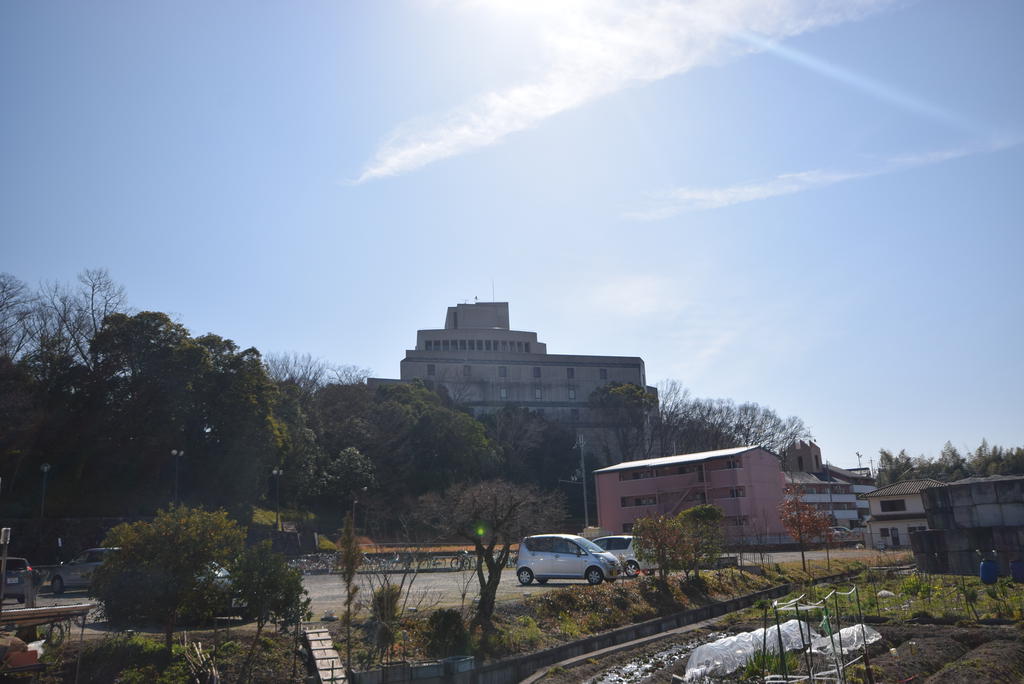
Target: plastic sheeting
{"x": 848, "y": 639}
{"x": 731, "y": 653}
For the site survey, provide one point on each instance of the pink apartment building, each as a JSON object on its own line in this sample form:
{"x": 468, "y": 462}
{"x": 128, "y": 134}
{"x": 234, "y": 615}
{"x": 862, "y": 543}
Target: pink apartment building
{"x": 745, "y": 482}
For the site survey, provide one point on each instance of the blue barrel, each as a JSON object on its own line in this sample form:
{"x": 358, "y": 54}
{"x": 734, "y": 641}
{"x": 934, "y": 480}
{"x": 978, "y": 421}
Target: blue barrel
{"x": 989, "y": 571}
{"x": 1017, "y": 570}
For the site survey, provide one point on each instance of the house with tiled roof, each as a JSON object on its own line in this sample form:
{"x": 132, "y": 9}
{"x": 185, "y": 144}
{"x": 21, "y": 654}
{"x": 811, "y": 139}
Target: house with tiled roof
{"x": 896, "y": 511}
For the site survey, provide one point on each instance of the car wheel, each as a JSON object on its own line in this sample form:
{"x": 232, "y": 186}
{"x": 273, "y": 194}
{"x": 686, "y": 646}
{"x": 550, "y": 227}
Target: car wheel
{"x": 57, "y": 585}
{"x": 594, "y": 575}
{"x": 525, "y": 575}
{"x": 632, "y": 568}
{"x": 542, "y": 580}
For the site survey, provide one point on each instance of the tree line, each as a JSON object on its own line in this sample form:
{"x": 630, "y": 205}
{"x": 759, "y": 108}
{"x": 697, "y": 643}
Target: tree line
{"x": 951, "y": 464}
{"x": 131, "y": 412}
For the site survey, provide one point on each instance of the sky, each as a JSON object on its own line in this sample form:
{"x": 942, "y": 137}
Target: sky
{"x": 815, "y": 205}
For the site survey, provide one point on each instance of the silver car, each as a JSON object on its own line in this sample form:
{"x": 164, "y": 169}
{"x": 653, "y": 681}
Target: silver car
{"x": 78, "y": 572}
{"x": 19, "y": 573}
{"x": 564, "y": 556}
{"x": 622, "y": 546}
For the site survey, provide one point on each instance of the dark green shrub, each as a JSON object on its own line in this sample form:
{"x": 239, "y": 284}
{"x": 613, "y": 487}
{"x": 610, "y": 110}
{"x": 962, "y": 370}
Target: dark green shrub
{"x": 447, "y": 634}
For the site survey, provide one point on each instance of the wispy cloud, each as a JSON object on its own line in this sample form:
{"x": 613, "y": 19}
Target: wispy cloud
{"x": 594, "y": 49}
{"x": 685, "y": 199}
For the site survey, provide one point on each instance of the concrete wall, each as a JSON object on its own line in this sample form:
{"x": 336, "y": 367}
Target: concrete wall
{"x": 960, "y": 552}
{"x": 971, "y": 520}
{"x": 991, "y": 503}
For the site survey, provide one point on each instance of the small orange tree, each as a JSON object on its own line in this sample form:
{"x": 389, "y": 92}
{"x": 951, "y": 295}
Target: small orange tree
{"x": 803, "y": 522}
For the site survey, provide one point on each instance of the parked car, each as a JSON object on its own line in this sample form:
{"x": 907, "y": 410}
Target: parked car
{"x": 565, "y": 556}
{"x": 77, "y": 573}
{"x": 18, "y": 575}
{"x": 622, "y": 546}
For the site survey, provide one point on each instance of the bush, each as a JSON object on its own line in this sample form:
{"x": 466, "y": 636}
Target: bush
{"x": 103, "y": 661}
{"x": 447, "y": 634}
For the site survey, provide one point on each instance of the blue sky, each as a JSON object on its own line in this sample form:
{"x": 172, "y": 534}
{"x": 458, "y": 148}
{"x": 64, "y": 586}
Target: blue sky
{"x": 811, "y": 204}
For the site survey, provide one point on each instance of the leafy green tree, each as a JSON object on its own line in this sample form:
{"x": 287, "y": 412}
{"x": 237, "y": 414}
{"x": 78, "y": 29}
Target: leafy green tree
{"x": 492, "y": 516}
{"x": 702, "y": 526}
{"x": 423, "y": 444}
{"x": 626, "y": 410}
{"x": 661, "y": 540}
{"x": 165, "y": 569}
{"x": 348, "y": 473}
{"x": 268, "y": 588}
{"x": 533, "y": 450}
{"x": 894, "y": 467}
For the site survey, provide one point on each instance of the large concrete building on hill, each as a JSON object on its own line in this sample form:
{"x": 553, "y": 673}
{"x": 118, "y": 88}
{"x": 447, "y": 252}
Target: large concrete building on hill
{"x": 483, "y": 364}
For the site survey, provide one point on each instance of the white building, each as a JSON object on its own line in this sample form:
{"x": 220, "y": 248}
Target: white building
{"x": 896, "y": 510}
{"x": 832, "y": 497}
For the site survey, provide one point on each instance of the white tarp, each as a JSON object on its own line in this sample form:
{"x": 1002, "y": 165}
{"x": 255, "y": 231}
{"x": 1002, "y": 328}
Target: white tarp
{"x": 847, "y": 639}
{"x": 731, "y": 653}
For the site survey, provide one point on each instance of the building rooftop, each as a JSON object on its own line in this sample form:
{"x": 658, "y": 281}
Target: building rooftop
{"x": 805, "y": 478}
{"x": 903, "y": 488}
{"x": 850, "y": 473}
{"x": 681, "y": 458}
{"x": 989, "y": 478}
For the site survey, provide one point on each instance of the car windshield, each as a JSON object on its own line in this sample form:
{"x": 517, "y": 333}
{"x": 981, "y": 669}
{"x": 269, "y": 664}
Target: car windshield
{"x": 588, "y": 545}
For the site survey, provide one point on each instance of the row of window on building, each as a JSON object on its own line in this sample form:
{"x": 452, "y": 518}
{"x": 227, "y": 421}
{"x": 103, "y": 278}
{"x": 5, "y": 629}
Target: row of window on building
{"x": 477, "y": 345}
{"x": 675, "y": 497}
{"x": 665, "y": 471}
{"x": 467, "y": 370}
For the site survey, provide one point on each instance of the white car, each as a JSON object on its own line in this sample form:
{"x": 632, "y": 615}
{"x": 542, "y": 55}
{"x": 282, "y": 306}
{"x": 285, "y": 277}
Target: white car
{"x": 78, "y": 572}
{"x": 622, "y": 546}
{"x": 564, "y": 556}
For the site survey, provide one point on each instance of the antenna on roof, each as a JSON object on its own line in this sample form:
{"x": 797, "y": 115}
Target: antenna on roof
{"x": 492, "y": 289}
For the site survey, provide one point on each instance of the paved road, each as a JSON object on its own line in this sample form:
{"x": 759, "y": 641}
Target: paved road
{"x": 431, "y": 590}
{"x": 426, "y": 591}
{"x": 451, "y": 589}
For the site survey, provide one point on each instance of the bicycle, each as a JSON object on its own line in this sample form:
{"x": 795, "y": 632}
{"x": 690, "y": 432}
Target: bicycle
{"x": 461, "y": 561}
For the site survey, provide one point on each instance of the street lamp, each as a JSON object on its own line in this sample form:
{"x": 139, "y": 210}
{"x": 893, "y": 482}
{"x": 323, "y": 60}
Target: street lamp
{"x": 277, "y": 472}
{"x": 177, "y": 454}
{"x": 44, "y": 468}
{"x": 355, "y": 500}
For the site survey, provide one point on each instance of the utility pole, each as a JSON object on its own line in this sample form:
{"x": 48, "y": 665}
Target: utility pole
{"x": 177, "y": 454}
{"x": 5, "y": 539}
{"x": 277, "y": 472}
{"x": 582, "y": 480}
{"x": 44, "y": 469}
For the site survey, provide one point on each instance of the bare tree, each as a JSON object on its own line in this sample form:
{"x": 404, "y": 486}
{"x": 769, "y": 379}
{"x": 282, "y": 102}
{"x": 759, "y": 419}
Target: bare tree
{"x": 16, "y": 305}
{"x": 65, "y": 319}
{"x": 492, "y": 516}
{"x": 688, "y": 424}
{"x": 349, "y": 374}
{"x": 310, "y": 374}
